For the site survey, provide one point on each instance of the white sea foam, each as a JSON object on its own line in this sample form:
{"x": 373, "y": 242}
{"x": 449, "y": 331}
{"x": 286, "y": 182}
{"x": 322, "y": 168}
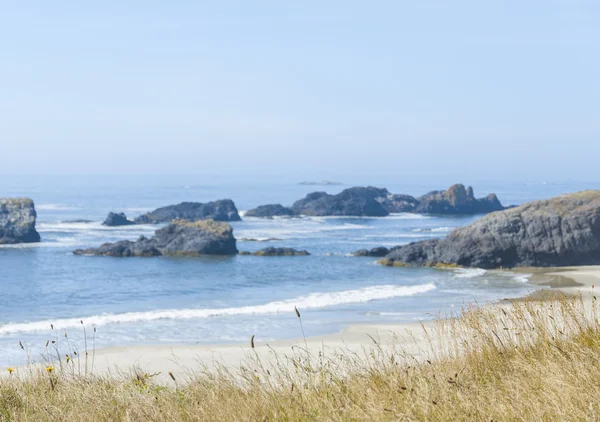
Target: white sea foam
{"x": 311, "y": 301}
{"x": 88, "y": 227}
{"x": 469, "y": 272}
{"x": 289, "y": 230}
{"x": 393, "y": 216}
{"x": 434, "y": 230}
{"x": 55, "y": 207}
{"x": 522, "y": 278}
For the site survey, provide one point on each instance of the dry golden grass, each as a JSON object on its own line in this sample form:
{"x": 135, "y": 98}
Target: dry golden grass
{"x": 524, "y": 361}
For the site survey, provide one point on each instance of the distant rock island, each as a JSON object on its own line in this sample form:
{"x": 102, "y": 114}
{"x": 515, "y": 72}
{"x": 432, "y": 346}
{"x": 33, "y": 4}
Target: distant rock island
{"x": 321, "y": 183}
{"x": 379, "y": 202}
{"x": 563, "y": 231}
{"x": 17, "y": 221}
{"x": 179, "y": 238}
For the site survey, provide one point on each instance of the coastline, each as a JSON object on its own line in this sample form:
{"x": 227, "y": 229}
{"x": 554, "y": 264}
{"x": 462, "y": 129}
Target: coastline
{"x": 186, "y": 360}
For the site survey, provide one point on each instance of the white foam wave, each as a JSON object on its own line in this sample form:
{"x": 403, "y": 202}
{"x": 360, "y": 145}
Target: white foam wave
{"x": 55, "y": 207}
{"x": 311, "y": 301}
{"x": 393, "y": 216}
{"x": 522, "y": 278}
{"x": 292, "y": 230}
{"x": 408, "y": 216}
{"x": 87, "y": 227}
{"x": 469, "y": 272}
{"x": 435, "y": 230}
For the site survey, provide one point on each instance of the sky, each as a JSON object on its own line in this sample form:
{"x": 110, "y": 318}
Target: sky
{"x": 318, "y": 89}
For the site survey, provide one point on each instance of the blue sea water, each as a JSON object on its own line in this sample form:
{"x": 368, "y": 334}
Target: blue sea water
{"x": 224, "y": 299}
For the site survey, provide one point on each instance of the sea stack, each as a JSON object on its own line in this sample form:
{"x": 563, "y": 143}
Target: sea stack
{"x": 17, "y": 221}
{"x": 117, "y": 219}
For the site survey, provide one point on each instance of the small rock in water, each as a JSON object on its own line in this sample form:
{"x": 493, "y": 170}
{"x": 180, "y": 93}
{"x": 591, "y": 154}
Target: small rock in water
{"x": 115, "y": 220}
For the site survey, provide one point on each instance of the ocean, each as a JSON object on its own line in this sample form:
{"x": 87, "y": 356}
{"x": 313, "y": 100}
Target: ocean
{"x": 46, "y": 291}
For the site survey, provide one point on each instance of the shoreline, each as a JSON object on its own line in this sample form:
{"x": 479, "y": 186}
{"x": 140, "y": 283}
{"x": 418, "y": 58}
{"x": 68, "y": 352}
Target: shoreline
{"x": 187, "y": 360}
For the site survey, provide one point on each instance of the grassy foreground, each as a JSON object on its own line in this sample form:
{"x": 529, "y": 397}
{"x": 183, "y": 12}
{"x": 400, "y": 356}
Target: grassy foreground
{"x": 527, "y": 361}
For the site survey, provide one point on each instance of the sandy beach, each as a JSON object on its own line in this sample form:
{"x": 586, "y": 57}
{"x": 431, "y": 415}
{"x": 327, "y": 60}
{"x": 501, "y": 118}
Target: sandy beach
{"x": 185, "y": 360}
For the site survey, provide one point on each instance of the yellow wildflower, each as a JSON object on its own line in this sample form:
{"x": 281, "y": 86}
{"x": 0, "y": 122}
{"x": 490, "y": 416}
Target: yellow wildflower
{"x": 49, "y": 369}
{"x": 68, "y": 358}
{"x": 10, "y": 370}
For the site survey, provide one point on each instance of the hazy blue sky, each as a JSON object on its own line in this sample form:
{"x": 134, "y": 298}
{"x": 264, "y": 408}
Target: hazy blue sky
{"x": 479, "y": 89}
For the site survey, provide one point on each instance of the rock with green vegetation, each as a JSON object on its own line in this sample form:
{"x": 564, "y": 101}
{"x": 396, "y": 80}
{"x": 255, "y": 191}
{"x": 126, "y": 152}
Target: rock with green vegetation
{"x": 563, "y": 231}
{"x": 277, "y": 252}
{"x": 17, "y": 221}
{"x": 180, "y": 238}
{"x": 221, "y": 210}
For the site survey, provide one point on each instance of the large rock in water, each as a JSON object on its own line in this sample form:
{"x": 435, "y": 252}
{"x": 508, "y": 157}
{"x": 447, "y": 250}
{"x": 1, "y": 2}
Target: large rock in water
{"x": 115, "y": 220}
{"x": 457, "y": 200}
{"x": 180, "y": 238}
{"x": 562, "y": 231}
{"x": 222, "y": 210}
{"x": 17, "y": 221}
{"x": 270, "y": 210}
{"x": 357, "y": 201}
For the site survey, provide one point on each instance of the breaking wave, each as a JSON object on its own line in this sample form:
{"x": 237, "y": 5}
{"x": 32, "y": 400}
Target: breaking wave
{"x": 311, "y": 301}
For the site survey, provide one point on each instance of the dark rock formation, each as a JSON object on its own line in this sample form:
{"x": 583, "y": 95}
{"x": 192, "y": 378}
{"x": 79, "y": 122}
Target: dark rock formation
{"x": 222, "y": 210}
{"x": 562, "y": 231}
{"x": 378, "y": 202}
{"x": 398, "y": 203}
{"x": 180, "y": 238}
{"x": 277, "y": 252}
{"x": 375, "y": 252}
{"x": 350, "y": 202}
{"x": 457, "y": 200}
{"x": 115, "y": 220}
{"x": 17, "y": 221}
{"x": 270, "y": 210}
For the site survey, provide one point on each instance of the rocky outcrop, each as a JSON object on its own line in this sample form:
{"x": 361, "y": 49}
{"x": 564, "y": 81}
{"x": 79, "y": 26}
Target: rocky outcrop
{"x": 397, "y": 203}
{"x": 115, "y": 220}
{"x": 180, "y": 238}
{"x": 378, "y": 202}
{"x": 270, "y": 210}
{"x": 375, "y": 252}
{"x": 17, "y": 221}
{"x": 277, "y": 252}
{"x": 350, "y": 202}
{"x": 562, "y": 231}
{"x": 457, "y": 200}
{"x": 222, "y": 210}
